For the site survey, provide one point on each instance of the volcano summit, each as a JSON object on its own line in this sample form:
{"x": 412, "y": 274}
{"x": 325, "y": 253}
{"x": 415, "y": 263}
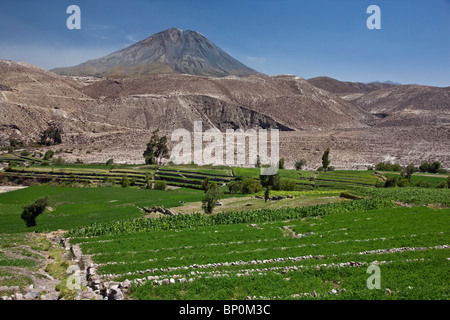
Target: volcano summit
{"x": 172, "y": 51}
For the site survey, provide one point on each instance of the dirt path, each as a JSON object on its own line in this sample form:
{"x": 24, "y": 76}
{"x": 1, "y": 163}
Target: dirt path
{"x": 4, "y": 189}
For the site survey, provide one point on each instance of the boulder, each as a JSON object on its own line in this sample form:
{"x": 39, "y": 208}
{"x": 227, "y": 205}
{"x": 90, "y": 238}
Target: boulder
{"x": 31, "y": 295}
{"x": 115, "y": 293}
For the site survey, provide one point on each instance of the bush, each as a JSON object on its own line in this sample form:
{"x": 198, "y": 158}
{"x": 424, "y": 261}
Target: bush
{"x": 58, "y": 161}
{"x": 251, "y": 185}
{"x": 234, "y": 186}
{"x": 125, "y": 182}
{"x": 52, "y": 135}
{"x": 288, "y": 185}
{"x": 423, "y": 184}
{"x": 110, "y": 162}
{"x": 391, "y": 182}
{"x": 272, "y": 181}
{"x": 160, "y": 185}
{"x": 205, "y": 184}
{"x": 31, "y": 211}
{"x": 299, "y": 164}
{"x": 403, "y": 183}
{"x": 442, "y": 185}
{"x": 320, "y": 169}
{"x": 48, "y": 155}
{"x": 15, "y": 143}
{"x": 25, "y": 153}
{"x": 387, "y": 166}
{"x": 379, "y": 184}
{"x": 434, "y": 167}
{"x": 45, "y": 163}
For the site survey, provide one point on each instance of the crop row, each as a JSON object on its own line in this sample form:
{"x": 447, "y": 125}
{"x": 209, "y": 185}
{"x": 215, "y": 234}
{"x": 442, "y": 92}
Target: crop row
{"x": 197, "y": 220}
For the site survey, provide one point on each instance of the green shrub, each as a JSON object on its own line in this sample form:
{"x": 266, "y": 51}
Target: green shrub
{"x": 299, "y": 164}
{"x": 25, "y": 153}
{"x": 391, "y": 182}
{"x": 31, "y": 211}
{"x": 234, "y": 186}
{"x": 442, "y": 185}
{"x": 110, "y": 162}
{"x": 45, "y": 163}
{"x": 160, "y": 185}
{"x": 387, "y": 166}
{"x": 379, "y": 184}
{"x": 287, "y": 184}
{"x": 125, "y": 182}
{"x": 58, "y": 161}
{"x": 403, "y": 182}
{"x": 48, "y": 155}
{"x": 251, "y": 185}
{"x": 423, "y": 184}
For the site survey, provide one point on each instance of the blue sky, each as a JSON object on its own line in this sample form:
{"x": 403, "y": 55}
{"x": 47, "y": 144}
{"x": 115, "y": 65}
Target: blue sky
{"x": 305, "y": 38}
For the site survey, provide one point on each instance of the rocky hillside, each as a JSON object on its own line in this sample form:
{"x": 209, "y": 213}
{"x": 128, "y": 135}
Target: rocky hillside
{"x": 361, "y": 126}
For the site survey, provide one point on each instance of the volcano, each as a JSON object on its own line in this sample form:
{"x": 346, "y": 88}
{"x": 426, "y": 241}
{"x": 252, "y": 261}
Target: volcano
{"x": 172, "y": 51}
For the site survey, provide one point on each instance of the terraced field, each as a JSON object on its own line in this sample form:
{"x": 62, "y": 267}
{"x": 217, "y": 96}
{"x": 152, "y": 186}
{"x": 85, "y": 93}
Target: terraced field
{"x": 315, "y": 242}
{"x": 189, "y": 177}
{"x": 315, "y": 257}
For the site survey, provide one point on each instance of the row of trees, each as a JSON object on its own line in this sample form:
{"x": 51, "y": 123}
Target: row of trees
{"x": 427, "y": 167}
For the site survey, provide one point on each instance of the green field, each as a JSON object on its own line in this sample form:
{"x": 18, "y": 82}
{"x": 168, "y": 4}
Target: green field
{"x": 266, "y": 261}
{"x": 315, "y": 243}
{"x": 71, "y": 207}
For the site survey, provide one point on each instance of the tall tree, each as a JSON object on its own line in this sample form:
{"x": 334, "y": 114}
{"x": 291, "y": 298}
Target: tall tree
{"x": 325, "y": 159}
{"x": 210, "y": 198}
{"x": 156, "y": 148}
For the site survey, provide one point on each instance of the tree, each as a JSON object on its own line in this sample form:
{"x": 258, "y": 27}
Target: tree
{"x": 205, "y": 184}
{"x": 408, "y": 171}
{"x": 31, "y": 211}
{"x": 391, "y": 182}
{"x": 234, "y": 186}
{"x": 287, "y": 185}
{"x": 125, "y": 182}
{"x": 271, "y": 181}
{"x": 160, "y": 185}
{"x": 156, "y": 149}
{"x": 299, "y": 164}
{"x": 258, "y": 162}
{"x": 49, "y": 154}
{"x": 325, "y": 159}
{"x": 51, "y": 135}
{"x": 281, "y": 163}
{"x": 251, "y": 185}
{"x": 266, "y": 194}
{"x": 210, "y": 198}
